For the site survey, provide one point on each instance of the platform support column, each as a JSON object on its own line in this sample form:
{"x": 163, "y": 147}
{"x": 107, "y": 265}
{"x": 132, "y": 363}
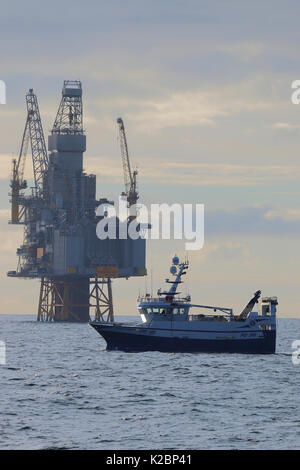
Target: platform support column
{"x": 73, "y": 300}
{"x": 45, "y": 307}
{"x": 101, "y": 294}
{"x": 110, "y": 301}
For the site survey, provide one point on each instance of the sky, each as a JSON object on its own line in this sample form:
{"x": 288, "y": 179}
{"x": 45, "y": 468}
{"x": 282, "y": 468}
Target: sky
{"x": 204, "y": 89}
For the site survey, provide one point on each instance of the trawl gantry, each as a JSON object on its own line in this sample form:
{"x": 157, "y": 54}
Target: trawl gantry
{"x": 60, "y": 243}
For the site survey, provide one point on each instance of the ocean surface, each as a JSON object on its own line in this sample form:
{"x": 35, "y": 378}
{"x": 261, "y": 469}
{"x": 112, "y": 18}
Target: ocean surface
{"x": 61, "y": 389}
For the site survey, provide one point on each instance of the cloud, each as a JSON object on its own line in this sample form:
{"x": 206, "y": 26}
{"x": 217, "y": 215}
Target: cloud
{"x": 177, "y": 110}
{"x": 197, "y": 107}
{"x": 288, "y": 215}
{"x": 285, "y": 126}
{"x": 188, "y": 173}
{"x": 253, "y": 221}
{"x": 176, "y": 173}
{"x": 224, "y": 249}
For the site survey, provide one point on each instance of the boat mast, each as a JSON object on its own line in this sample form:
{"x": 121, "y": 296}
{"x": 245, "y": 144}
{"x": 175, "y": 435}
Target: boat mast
{"x": 173, "y": 288}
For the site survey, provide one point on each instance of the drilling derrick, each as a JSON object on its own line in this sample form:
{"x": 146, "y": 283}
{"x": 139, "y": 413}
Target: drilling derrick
{"x": 60, "y": 243}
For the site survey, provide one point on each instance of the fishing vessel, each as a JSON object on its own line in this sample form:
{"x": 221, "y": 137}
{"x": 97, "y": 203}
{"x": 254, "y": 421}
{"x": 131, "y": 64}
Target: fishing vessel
{"x": 171, "y": 323}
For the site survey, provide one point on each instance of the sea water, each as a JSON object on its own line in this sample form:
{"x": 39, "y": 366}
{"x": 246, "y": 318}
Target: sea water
{"x": 60, "y": 388}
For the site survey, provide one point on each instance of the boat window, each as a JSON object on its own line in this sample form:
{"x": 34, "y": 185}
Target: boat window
{"x": 177, "y": 311}
{"x": 162, "y": 311}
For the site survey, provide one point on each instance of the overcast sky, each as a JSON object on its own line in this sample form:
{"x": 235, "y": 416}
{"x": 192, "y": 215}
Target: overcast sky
{"x": 204, "y": 88}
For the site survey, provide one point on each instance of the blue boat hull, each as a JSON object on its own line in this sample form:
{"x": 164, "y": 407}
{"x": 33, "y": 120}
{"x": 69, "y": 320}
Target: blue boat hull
{"x": 117, "y": 339}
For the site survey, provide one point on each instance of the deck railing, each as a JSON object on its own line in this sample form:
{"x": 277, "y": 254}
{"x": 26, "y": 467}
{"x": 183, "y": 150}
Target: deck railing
{"x": 161, "y": 299}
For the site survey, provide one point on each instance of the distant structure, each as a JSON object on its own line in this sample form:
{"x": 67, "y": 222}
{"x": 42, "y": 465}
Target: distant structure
{"x": 129, "y": 176}
{"x": 60, "y": 244}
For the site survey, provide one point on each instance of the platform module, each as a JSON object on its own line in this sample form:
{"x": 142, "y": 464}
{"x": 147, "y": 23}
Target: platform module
{"x": 60, "y": 244}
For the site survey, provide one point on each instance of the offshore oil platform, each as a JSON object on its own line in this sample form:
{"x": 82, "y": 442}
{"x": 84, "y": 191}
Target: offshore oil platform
{"x": 60, "y": 246}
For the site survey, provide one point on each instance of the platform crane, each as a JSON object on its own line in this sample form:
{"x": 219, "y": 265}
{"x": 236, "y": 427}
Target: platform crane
{"x": 33, "y": 132}
{"x": 129, "y": 176}
{"x": 17, "y": 182}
